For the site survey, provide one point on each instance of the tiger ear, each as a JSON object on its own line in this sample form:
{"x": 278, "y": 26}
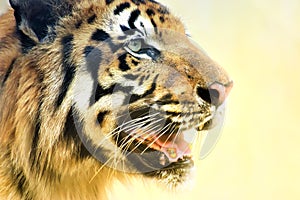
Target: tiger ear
{"x": 35, "y": 18}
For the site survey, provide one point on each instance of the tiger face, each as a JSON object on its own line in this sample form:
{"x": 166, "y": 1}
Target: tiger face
{"x": 149, "y": 95}
{"x": 116, "y": 84}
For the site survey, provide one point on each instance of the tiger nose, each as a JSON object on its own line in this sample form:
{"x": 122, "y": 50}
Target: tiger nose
{"x": 215, "y": 93}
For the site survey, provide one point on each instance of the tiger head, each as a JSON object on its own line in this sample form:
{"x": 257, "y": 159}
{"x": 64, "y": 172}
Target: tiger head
{"x": 120, "y": 83}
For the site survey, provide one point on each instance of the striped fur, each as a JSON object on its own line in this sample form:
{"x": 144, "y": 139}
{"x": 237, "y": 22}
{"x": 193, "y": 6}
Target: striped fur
{"x": 73, "y": 84}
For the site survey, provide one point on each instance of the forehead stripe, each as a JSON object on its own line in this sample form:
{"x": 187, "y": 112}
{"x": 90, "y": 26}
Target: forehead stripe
{"x": 120, "y": 8}
{"x": 133, "y": 17}
{"x": 138, "y": 2}
{"x": 154, "y": 25}
{"x": 150, "y": 12}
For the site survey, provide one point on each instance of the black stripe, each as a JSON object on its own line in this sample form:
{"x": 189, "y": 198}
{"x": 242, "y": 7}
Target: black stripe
{"x": 19, "y": 179}
{"x": 100, "y": 91}
{"x": 163, "y": 10}
{"x": 71, "y": 135}
{"x": 127, "y": 30}
{"x": 67, "y": 47}
{"x": 154, "y": 25}
{"x": 91, "y": 19}
{"x": 121, "y": 7}
{"x": 35, "y": 141}
{"x": 162, "y": 19}
{"x": 93, "y": 61}
{"x": 122, "y": 37}
{"x": 124, "y": 28}
{"x": 68, "y": 68}
{"x": 21, "y": 182}
{"x": 69, "y": 73}
{"x": 150, "y": 12}
{"x": 123, "y": 63}
{"x": 100, "y": 117}
{"x": 87, "y": 50}
{"x": 141, "y": 82}
{"x": 26, "y": 42}
{"x": 78, "y": 24}
{"x": 133, "y": 17}
{"x": 100, "y": 35}
{"x": 131, "y": 76}
{"x": 108, "y": 2}
{"x": 138, "y": 2}
{"x": 36, "y": 136}
{"x": 140, "y": 112}
{"x": 147, "y": 77}
{"x": 135, "y": 97}
{"x": 135, "y": 62}
{"x": 8, "y": 72}
{"x": 173, "y": 113}
{"x": 167, "y": 99}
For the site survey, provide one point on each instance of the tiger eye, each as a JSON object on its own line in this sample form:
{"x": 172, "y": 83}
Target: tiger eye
{"x": 135, "y": 45}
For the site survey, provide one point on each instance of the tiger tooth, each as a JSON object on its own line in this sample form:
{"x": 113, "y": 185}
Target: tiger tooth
{"x": 200, "y": 127}
{"x": 172, "y": 152}
{"x": 162, "y": 160}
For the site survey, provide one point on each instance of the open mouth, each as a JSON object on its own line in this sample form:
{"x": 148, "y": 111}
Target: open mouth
{"x": 151, "y": 153}
{"x": 157, "y": 144}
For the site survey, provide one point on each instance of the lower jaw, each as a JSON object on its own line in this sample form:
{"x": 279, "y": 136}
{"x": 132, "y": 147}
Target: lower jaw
{"x": 172, "y": 178}
{"x": 150, "y": 165}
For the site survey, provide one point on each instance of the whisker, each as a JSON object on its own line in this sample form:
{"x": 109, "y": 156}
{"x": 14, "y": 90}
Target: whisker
{"x": 178, "y": 132}
{"x": 159, "y": 135}
{"x": 141, "y": 142}
{"x": 124, "y": 127}
{"x": 143, "y": 132}
{"x": 98, "y": 171}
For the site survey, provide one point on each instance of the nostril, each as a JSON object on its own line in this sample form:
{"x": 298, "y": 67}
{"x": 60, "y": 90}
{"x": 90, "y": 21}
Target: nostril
{"x": 215, "y": 94}
{"x": 204, "y": 94}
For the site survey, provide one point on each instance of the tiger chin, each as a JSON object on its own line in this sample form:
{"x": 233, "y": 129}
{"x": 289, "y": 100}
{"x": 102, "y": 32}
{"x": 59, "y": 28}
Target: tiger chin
{"x": 93, "y": 91}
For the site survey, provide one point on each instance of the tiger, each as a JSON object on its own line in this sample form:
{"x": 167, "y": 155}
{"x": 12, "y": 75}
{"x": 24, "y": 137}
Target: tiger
{"x": 93, "y": 91}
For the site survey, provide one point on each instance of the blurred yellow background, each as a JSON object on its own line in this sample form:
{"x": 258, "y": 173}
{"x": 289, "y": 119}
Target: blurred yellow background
{"x": 258, "y": 154}
{"x": 258, "y": 43}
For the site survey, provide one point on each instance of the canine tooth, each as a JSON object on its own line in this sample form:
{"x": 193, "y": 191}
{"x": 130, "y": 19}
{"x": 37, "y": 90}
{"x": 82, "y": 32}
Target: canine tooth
{"x": 200, "y": 127}
{"x": 172, "y": 152}
{"x": 162, "y": 160}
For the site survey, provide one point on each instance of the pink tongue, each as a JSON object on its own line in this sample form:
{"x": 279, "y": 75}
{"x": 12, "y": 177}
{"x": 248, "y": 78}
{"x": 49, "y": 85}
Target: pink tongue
{"x": 175, "y": 149}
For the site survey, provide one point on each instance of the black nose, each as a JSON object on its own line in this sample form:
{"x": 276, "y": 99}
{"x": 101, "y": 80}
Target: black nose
{"x": 215, "y": 93}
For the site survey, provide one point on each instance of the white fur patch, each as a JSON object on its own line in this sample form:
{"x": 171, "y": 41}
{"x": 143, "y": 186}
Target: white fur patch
{"x": 3, "y": 6}
{"x": 83, "y": 90}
